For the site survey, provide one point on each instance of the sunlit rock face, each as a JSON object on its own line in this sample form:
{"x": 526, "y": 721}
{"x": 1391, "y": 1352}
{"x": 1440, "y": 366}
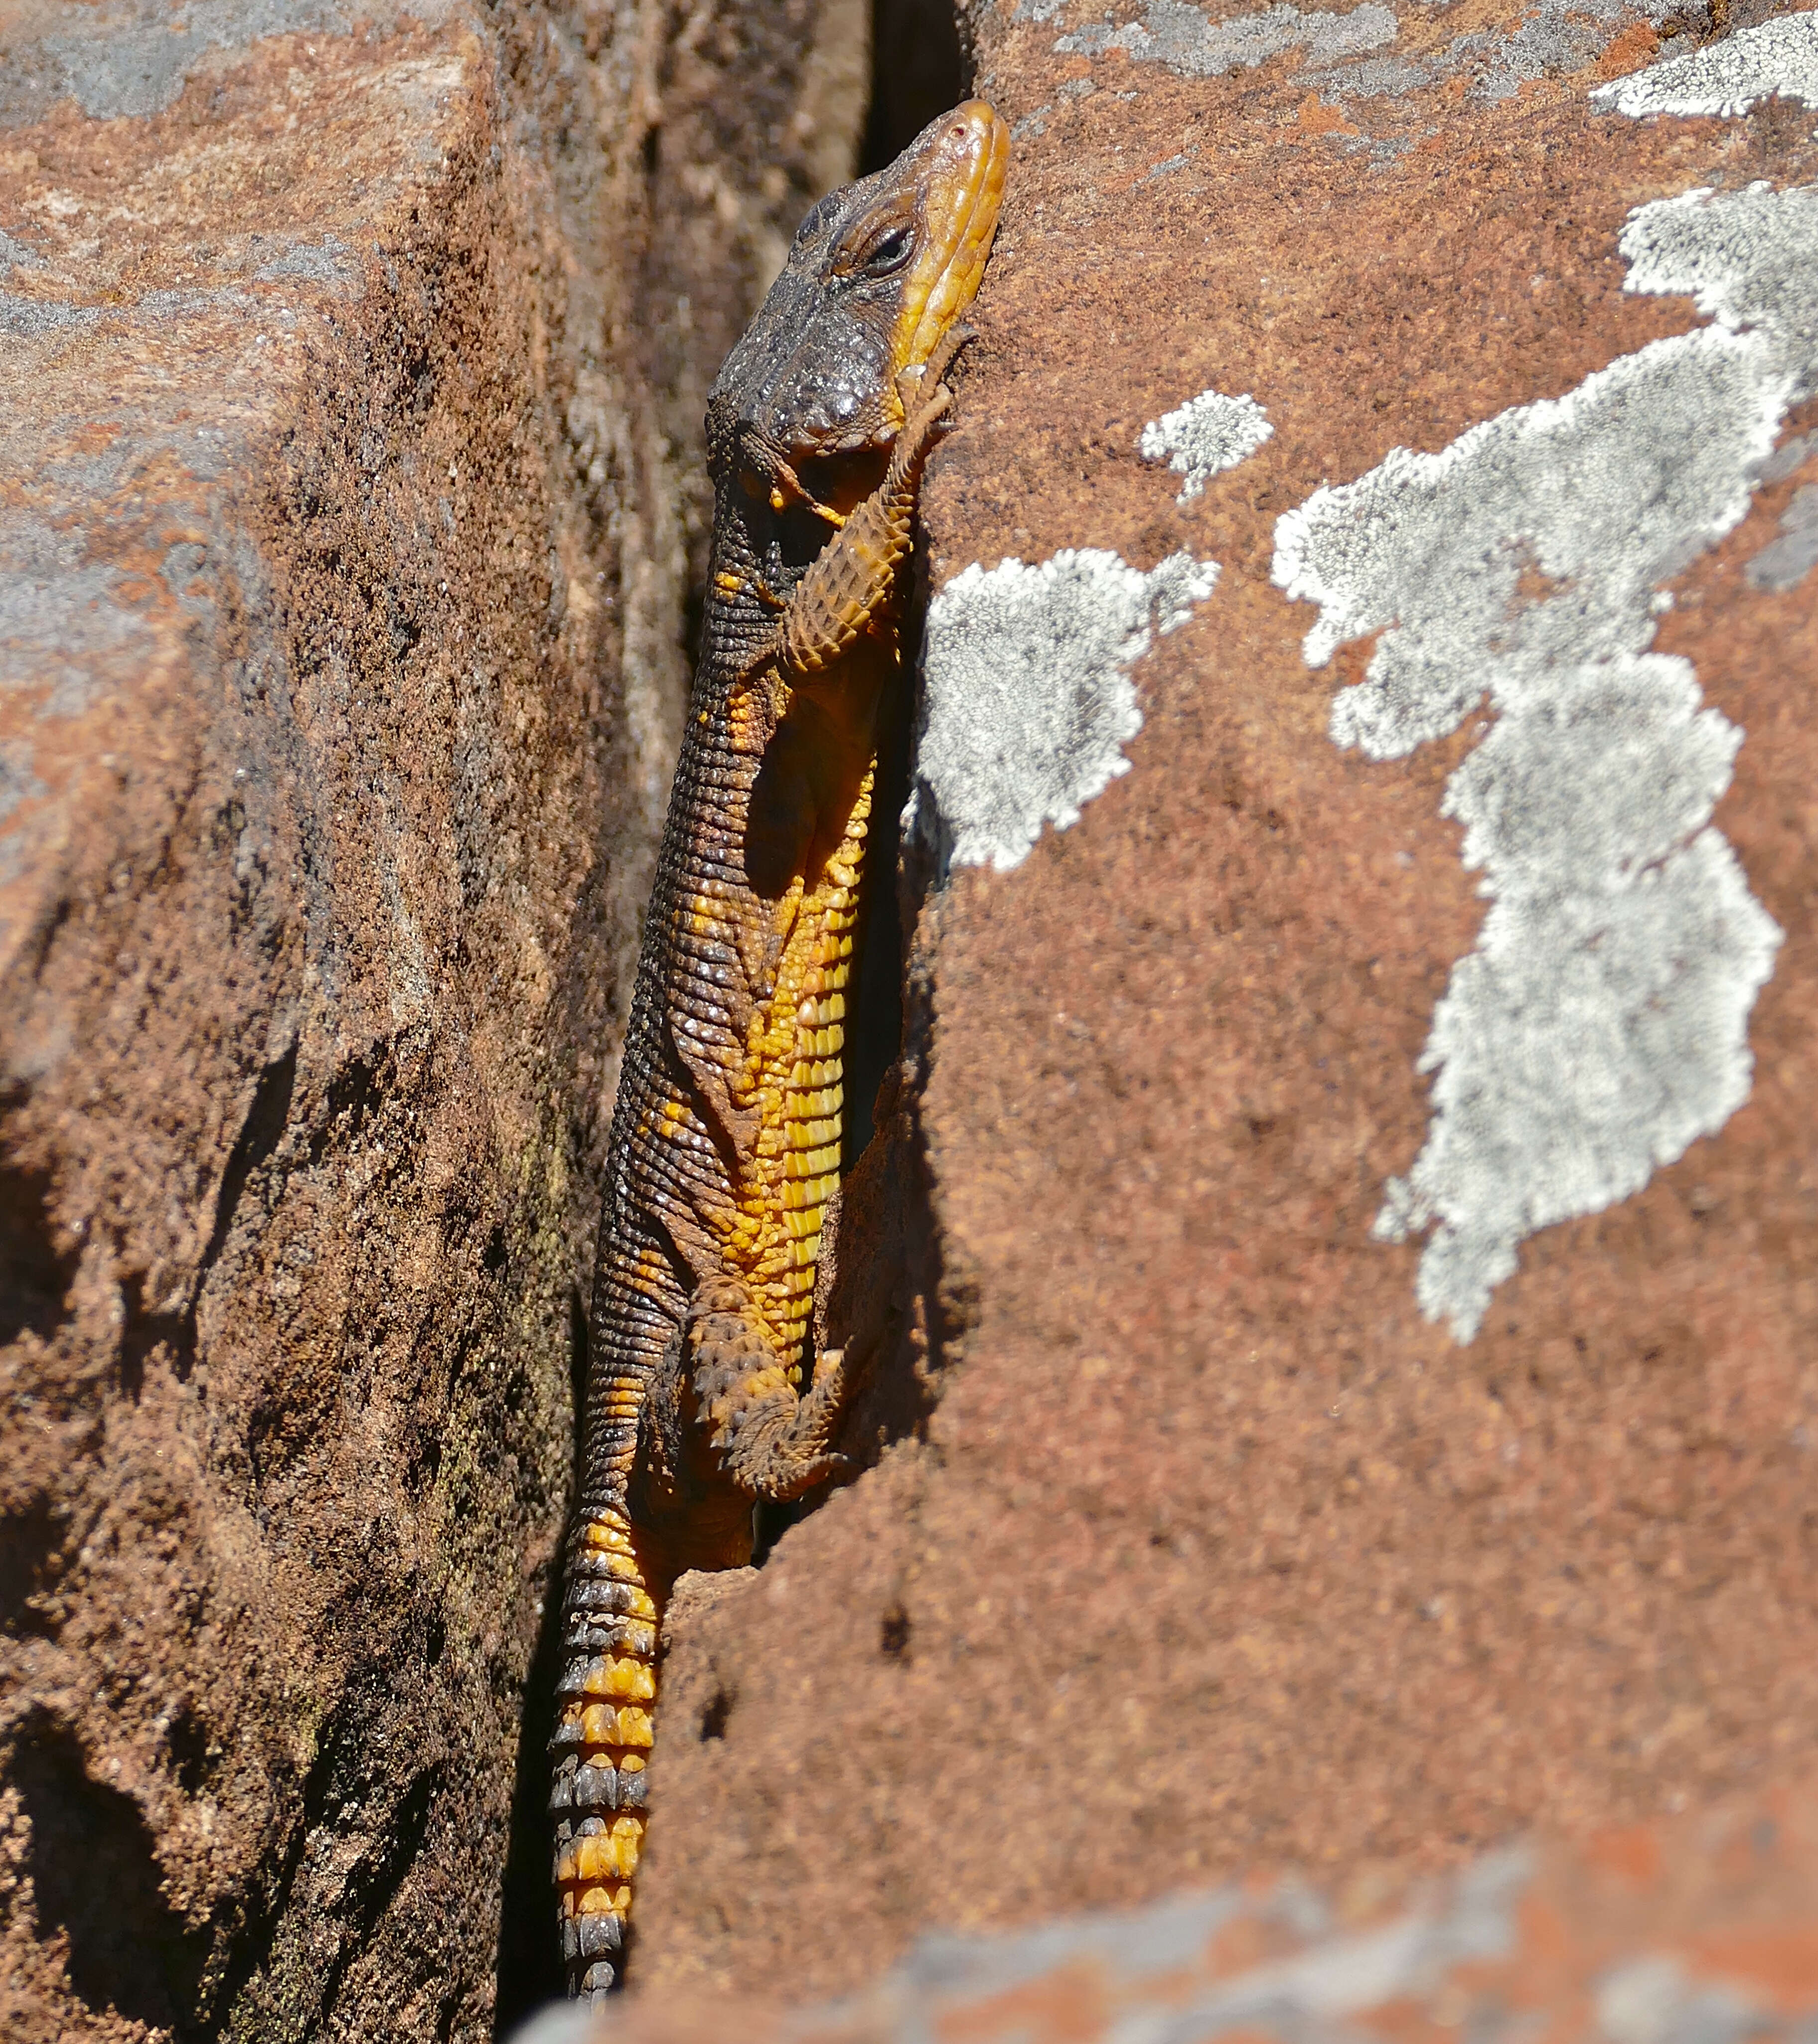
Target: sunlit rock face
{"x": 345, "y": 543}
{"x": 1362, "y": 935}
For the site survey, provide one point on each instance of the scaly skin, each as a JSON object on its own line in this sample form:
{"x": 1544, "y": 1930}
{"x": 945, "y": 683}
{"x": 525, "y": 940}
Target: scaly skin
{"x": 726, "y": 1139}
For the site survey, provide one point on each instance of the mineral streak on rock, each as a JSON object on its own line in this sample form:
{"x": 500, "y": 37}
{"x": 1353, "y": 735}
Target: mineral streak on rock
{"x": 1027, "y": 699}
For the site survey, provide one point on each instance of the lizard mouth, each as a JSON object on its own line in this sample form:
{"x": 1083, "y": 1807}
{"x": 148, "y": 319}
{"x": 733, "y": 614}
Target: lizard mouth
{"x": 968, "y": 152}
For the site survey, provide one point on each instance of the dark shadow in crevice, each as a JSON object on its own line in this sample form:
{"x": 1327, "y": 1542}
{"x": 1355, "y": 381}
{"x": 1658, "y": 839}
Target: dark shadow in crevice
{"x": 374, "y": 1880}
{"x": 30, "y": 1543}
{"x": 36, "y": 1274}
{"x": 918, "y": 71}
{"x": 259, "y": 1134}
{"x": 148, "y": 1328}
{"x": 187, "y": 1747}
{"x": 95, "y": 1878}
{"x": 350, "y": 1790}
{"x": 145, "y": 1330}
{"x": 875, "y": 1031}
{"x": 530, "y": 1970}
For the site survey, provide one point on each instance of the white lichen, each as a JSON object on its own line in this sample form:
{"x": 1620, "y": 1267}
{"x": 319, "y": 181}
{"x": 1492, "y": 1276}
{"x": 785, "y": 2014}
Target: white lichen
{"x": 1600, "y": 1025}
{"x": 1206, "y": 436}
{"x": 1027, "y": 699}
{"x": 1725, "y": 79}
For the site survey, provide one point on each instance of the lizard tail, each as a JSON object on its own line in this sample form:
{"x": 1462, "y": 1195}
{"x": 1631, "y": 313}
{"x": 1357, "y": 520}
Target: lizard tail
{"x": 604, "y": 1703}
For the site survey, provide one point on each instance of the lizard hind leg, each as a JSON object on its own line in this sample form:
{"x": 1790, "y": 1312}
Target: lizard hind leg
{"x": 772, "y": 1440}
{"x": 604, "y": 1702}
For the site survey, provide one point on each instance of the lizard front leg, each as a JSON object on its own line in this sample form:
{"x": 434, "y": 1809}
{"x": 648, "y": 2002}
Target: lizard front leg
{"x": 851, "y": 584}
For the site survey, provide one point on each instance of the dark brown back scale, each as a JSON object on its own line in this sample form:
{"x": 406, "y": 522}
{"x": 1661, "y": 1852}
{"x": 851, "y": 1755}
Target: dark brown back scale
{"x": 726, "y": 1138}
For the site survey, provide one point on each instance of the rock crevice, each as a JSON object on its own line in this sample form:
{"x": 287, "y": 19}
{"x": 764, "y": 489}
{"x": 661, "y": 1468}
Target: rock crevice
{"x": 353, "y": 371}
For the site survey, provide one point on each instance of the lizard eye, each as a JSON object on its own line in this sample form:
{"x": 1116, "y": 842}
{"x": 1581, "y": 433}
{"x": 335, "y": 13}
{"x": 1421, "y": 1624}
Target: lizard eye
{"x": 888, "y": 253}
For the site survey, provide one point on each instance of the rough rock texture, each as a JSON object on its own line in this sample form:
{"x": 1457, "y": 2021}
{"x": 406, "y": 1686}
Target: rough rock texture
{"x": 351, "y": 363}
{"x": 1701, "y": 1928}
{"x": 1367, "y": 1302}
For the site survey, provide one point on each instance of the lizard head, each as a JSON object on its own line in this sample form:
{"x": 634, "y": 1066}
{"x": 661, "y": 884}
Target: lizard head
{"x": 880, "y": 270}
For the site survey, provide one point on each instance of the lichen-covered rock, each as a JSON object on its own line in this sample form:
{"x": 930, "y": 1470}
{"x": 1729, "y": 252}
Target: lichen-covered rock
{"x": 344, "y": 537}
{"x": 1703, "y": 1927}
{"x": 1358, "y": 1004}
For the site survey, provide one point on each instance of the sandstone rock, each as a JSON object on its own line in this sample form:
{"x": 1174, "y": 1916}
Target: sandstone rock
{"x": 351, "y": 366}
{"x": 1358, "y": 1065}
{"x": 1704, "y": 1927}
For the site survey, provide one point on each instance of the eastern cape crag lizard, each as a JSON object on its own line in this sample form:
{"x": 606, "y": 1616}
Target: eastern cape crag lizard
{"x": 703, "y": 1397}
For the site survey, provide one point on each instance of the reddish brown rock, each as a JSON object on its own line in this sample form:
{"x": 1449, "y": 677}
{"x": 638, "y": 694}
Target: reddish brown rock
{"x": 1704, "y": 1928}
{"x": 1217, "y": 1552}
{"x": 343, "y": 576}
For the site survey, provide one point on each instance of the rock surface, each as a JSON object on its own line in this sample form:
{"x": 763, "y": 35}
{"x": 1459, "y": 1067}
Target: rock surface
{"x": 351, "y": 364}
{"x": 1703, "y": 1928}
{"x": 1359, "y": 1063}
{"x": 1342, "y": 1230}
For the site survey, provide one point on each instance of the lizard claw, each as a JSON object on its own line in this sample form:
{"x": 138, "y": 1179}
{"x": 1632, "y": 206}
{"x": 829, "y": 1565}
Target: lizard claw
{"x": 918, "y": 383}
{"x": 948, "y": 347}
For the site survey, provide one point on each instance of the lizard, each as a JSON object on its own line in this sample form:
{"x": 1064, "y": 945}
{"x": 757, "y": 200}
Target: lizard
{"x": 703, "y": 1397}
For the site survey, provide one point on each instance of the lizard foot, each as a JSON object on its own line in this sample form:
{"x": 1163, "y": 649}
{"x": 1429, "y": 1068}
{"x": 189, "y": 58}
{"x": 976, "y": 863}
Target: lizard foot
{"x": 917, "y": 384}
{"x": 772, "y": 1440}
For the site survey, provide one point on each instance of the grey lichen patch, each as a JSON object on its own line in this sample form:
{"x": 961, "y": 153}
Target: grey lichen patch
{"x": 63, "y": 615}
{"x": 1555, "y": 37}
{"x": 1206, "y": 436}
{"x": 1028, "y": 700}
{"x": 35, "y": 319}
{"x": 1559, "y": 36}
{"x": 328, "y": 261}
{"x": 1789, "y": 456}
{"x": 44, "y": 319}
{"x": 1785, "y": 563}
{"x": 1600, "y": 1025}
{"x": 1652, "y": 1999}
{"x": 1169, "y": 164}
{"x": 1317, "y": 1977}
{"x": 131, "y": 61}
{"x": 1726, "y": 78}
{"x": 17, "y": 782}
{"x": 1182, "y": 37}
{"x": 1375, "y": 78}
